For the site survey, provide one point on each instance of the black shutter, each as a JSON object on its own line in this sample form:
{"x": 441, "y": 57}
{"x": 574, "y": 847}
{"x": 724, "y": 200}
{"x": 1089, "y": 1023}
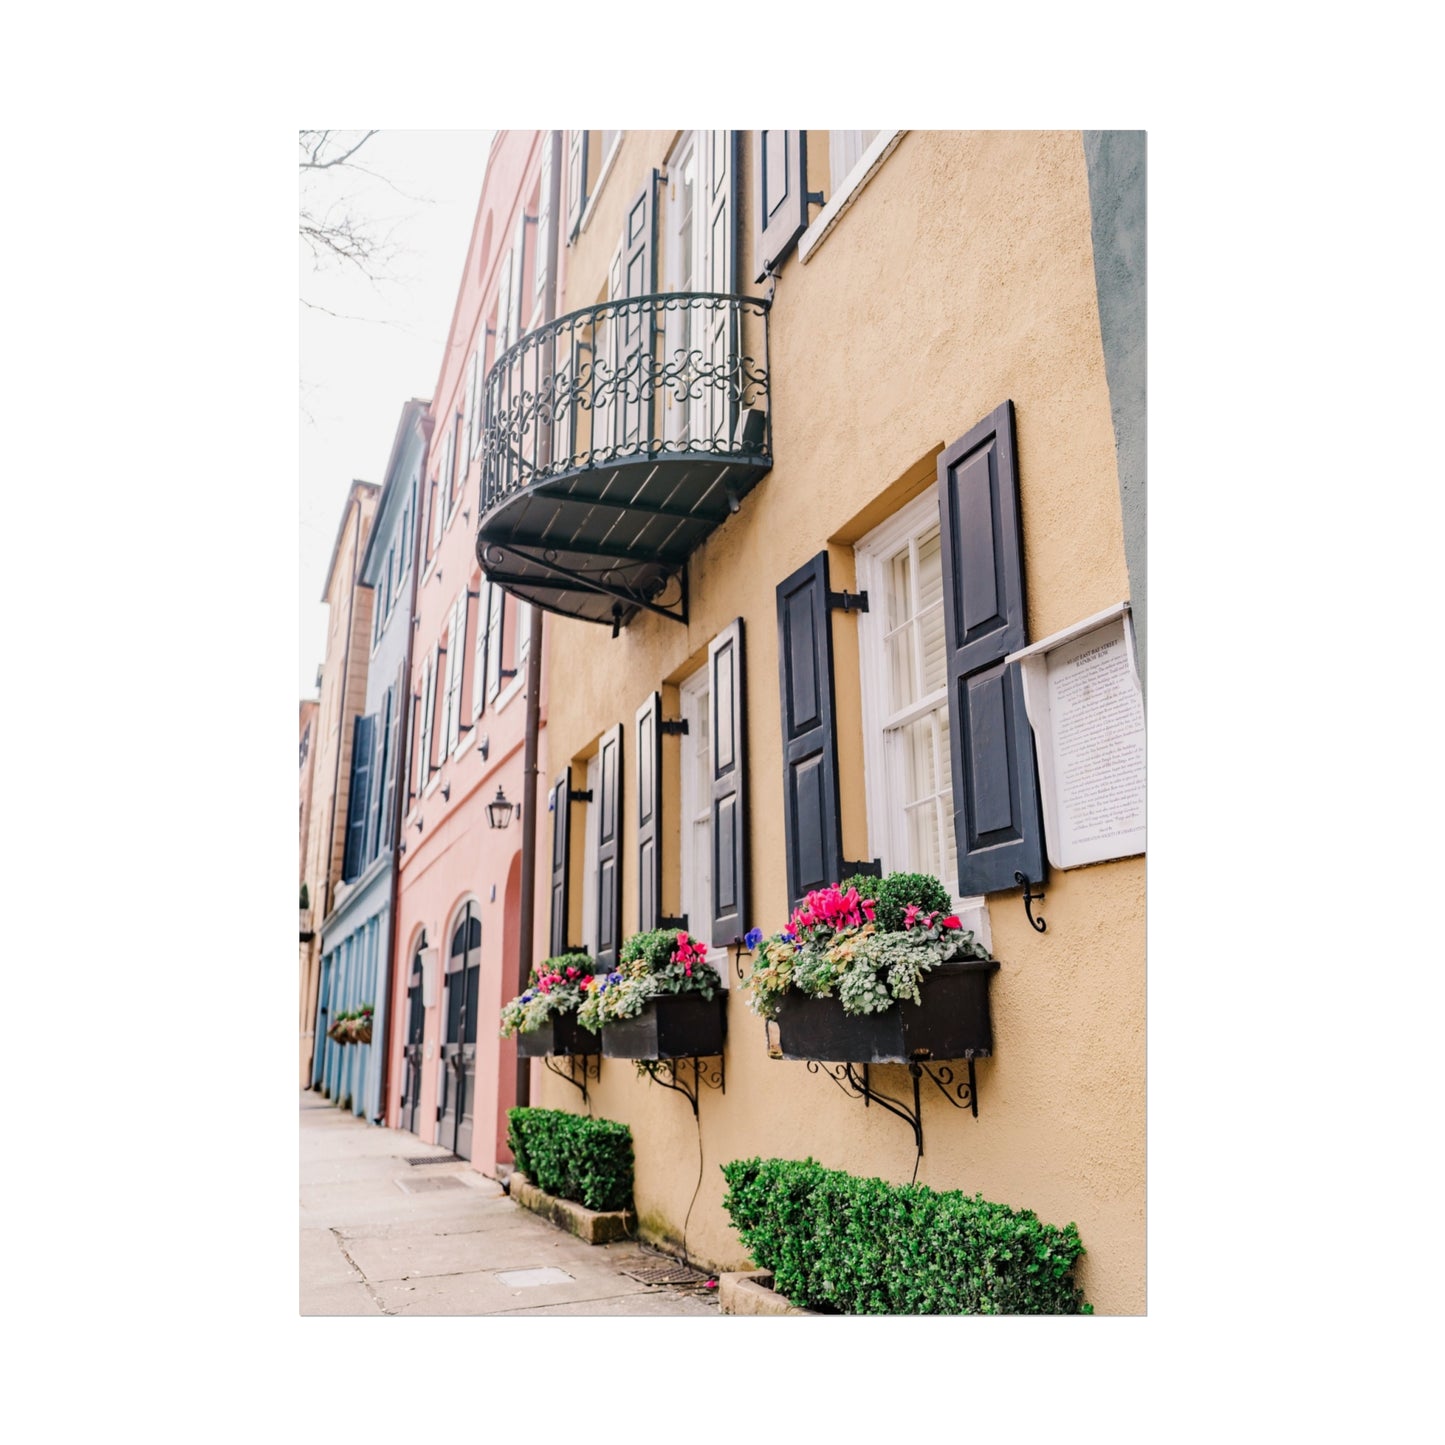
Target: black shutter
{"x": 649, "y": 813}
{"x": 780, "y": 191}
{"x": 388, "y": 810}
{"x": 608, "y": 802}
{"x": 634, "y": 273}
{"x": 576, "y": 180}
{"x": 729, "y": 921}
{"x": 995, "y": 789}
{"x": 561, "y": 856}
{"x": 811, "y": 824}
{"x": 353, "y": 859}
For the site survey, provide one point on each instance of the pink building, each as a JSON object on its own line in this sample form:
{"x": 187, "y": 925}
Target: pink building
{"x": 460, "y": 932}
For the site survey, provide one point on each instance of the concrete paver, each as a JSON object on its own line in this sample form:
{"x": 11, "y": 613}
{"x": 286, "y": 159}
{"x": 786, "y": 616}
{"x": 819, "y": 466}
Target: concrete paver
{"x": 370, "y": 1247}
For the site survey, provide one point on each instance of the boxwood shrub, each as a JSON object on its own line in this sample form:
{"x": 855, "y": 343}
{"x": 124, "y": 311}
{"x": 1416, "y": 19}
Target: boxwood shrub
{"x": 838, "y": 1243}
{"x": 572, "y": 1157}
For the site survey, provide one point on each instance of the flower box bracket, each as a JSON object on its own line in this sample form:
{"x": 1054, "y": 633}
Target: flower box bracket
{"x": 580, "y": 1068}
{"x": 665, "y": 1072}
{"x": 961, "y": 1094}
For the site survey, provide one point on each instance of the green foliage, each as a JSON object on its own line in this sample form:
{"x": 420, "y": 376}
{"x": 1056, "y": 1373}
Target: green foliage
{"x": 828, "y": 950}
{"x": 892, "y": 895}
{"x": 554, "y": 986}
{"x": 864, "y": 1246}
{"x": 573, "y": 1157}
{"x": 661, "y": 961}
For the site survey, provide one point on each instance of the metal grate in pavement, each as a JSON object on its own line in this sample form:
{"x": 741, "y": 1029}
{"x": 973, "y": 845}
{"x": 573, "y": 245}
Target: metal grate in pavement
{"x": 666, "y": 1274}
{"x": 434, "y": 1159}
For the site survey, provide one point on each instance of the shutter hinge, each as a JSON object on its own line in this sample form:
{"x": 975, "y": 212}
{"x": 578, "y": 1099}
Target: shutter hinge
{"x": 668, "y": 920}
{"x": 848, "y": 601}
{"x": 870, "y": 869}
{"x": 673, "y": 729}
{"x": 506, "y": 672}
{"x": 579, "y": 795}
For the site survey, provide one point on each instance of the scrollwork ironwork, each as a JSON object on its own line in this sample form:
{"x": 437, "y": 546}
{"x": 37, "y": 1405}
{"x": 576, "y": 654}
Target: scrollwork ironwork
{"x": 628, "y": 379}
{"x": 591, "y": 1068}
{"x": 664, "y": 1072}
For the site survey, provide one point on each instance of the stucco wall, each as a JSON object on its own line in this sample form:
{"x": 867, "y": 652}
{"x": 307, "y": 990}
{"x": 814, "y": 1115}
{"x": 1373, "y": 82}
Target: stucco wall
{"x": 961, "y": 276}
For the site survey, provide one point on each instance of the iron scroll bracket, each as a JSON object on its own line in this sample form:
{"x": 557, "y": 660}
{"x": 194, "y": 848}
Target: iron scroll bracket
{"x": 960, "y": 1094}
{"x": 591, "y": 1068}
{"x": 666, "y": 1073}
{"x": 1030, "y": 898}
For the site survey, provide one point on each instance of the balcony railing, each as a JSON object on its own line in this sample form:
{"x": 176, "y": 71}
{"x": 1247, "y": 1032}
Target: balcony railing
{"x": 625, "y": 380}
{"x": 614, "y": 440}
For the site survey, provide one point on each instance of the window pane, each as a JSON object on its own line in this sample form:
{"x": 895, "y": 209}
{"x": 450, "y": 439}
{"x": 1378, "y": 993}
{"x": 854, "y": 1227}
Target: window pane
{"x": 920, "y": 775}
{"x": 932, "y": 644}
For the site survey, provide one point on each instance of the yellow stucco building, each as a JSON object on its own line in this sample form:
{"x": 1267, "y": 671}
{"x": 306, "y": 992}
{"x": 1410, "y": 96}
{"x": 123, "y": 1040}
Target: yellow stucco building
{"x": 793, "y": 369}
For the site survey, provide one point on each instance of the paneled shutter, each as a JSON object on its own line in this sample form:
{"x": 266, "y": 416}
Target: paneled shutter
{"x": 634, "y": 273}
{"x": 811, "y": 825}
{"x": 649, "y": 813}
{"x": 608, "y": 802}
{"x": 780, "y": 169}
{"x": 576, "y": 180}
{"x": 729, "y": 921}
{"x": 721, "y": 209}
{"x": 995, "y": 789}
{"x": 357, "y": 798}
{"x": 561, "y": 854}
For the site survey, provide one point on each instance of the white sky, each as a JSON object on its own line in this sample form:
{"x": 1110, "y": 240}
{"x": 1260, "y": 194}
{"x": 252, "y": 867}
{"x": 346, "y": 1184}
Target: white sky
{"x": 357, "y": 373}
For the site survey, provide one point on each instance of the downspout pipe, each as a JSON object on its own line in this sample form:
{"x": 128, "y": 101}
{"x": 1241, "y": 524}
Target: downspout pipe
{"x": 526, "y": 928}
{"x": 403, "y": 753}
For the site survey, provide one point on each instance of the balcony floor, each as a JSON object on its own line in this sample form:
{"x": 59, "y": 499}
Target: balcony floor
{"x": 602, "y": 543}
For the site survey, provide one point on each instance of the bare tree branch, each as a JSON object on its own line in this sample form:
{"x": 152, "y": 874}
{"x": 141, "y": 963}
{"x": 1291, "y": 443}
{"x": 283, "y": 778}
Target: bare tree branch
{"x": 314, "y": 142}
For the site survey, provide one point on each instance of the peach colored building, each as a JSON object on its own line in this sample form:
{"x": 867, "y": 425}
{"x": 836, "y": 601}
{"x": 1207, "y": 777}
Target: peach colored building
{"x": 459, "y": 916}
{"x": 343, "y": 695}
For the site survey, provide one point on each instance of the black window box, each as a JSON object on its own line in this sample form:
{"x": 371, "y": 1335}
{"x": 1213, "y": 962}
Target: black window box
{"x": 675, "y": 1026}
{"x": 563, "y": 1035}
{"x": 952, "y": 1022}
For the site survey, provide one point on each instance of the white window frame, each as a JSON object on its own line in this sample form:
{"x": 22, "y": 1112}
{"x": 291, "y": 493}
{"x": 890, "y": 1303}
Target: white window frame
{"x": 846, "y": 192}
{"x": 693, "y": 800}
{"x": 602, "y": 175}
{"x": 885, "y": 822}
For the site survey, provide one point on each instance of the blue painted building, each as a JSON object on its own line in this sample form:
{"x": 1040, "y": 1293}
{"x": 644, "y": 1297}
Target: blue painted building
{"x": 356, "y": 936}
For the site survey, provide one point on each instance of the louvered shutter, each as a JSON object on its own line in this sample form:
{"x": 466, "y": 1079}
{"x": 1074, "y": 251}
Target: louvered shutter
{"x": 576, "y": 180}
{"x": 542, "y": 261}
{"x": 649, "y": 813}
{"x": 381, "y": 738}
{"x": 392, "y": 767}
{"x": 357, "y": 798}
{"x": 495, "y": 616}
{"x": 479, "y": 662}
{"x": 780, "y": 194}
{"x": 438, "y": 510}
{"x": 608, "y": 802}
{"x": 811, "y": 825}
{"x": 469, "y": 442}
{"x": 729, "y": 921}
{"x": 428, "y": 713}
{"x": 995, "y": 789}
{"x": 456, "y": 669}
{"x": 561, "y": 859}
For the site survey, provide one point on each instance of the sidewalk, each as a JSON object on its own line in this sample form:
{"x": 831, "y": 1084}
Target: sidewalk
{"x": 380, "y": 1236}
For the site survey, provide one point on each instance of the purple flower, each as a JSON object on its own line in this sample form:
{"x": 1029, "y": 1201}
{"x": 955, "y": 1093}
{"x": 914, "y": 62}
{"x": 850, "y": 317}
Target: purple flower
{"x": 753, "y": 937}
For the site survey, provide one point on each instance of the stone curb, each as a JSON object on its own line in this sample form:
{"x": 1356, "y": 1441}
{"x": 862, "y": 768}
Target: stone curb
{"x": 591, "y": 1226}
{"x": 750, "y": 1292}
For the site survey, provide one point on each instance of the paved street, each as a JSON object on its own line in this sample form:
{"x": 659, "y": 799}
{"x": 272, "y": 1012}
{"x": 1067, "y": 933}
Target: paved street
{"x": 380, "y": 1236}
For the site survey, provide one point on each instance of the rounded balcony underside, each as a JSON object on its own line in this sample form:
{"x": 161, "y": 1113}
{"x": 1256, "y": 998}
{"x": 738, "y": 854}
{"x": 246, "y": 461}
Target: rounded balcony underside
{"x": 605, "y": 542}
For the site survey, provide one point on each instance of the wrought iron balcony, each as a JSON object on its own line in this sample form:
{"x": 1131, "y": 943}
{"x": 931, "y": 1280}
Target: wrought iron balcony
{"x": 614, "y": 441}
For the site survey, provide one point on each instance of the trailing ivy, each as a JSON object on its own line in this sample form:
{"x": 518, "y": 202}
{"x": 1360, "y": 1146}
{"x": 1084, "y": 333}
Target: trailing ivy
{"x": 573, "y": 1157}
{"x": 838, "y": 1243}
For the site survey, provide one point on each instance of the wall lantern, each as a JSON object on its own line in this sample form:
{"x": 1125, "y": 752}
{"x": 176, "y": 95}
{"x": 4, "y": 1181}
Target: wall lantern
{"x": 499, "y": 810}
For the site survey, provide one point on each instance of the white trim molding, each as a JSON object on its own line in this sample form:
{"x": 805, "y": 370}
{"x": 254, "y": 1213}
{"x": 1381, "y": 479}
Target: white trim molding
{"x": 847, "y": 192}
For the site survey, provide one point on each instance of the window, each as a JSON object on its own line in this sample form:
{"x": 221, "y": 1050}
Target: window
{"x": 428, "y": 709}
{"x": 906, "y": 718}
{"x": 542, "y": 209}
{"x": 456, "y": 659}
{"x": 523, "y": 635}
{"x": 469, "y": 444}
{"x": 845, "y": 150}
{"x": 497, "y": 607}
{"x": 479, "y": 661}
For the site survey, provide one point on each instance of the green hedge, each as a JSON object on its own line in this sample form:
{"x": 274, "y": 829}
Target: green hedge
{"x": 572, "y": 1157}
{"x": 867, "y": 1247}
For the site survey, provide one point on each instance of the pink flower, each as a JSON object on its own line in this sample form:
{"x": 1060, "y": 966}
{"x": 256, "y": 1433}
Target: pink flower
{"x": 867, "y": 906}
{"x": 571, "y": 973}
{"x": 909, "y": 914}
{"x": 951, "y": 922}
